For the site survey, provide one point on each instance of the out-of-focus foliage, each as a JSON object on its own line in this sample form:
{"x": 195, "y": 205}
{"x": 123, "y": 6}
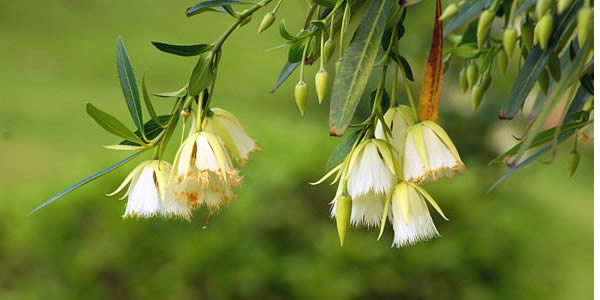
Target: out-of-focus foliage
{"x": 530, "y": 238}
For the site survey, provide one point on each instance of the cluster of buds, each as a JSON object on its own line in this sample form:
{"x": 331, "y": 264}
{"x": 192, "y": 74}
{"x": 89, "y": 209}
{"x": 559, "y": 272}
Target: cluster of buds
{"x": 379, "y": 178}
{"x": 203, "y": 171}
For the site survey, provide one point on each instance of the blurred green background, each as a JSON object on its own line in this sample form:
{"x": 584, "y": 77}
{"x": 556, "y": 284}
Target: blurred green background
{"x": 531, "y": 238}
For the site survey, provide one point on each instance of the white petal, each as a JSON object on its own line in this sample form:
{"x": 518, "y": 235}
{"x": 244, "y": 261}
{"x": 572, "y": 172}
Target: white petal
{"x": 144, "y": 198}
{"x": 244, "y": 143}
{"x": 367, "y": 210}
{"x": 418, "y": 227}
{"x": 369, "y": 173}
{"x": 183, "y": 160}
{"x": 205, "y": 156}
{"x": 438, "y": 154}
{"x": 414, "y": 167}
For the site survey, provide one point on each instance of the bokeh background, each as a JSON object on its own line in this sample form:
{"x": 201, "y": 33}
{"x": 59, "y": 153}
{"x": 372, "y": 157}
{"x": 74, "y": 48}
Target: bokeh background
{"x": 530, "y": 238}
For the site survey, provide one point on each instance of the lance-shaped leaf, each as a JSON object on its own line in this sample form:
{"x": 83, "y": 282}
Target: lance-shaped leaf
{"x": 111, "y": 124}
{"x": 84, "y": 181}
{"x": 202, "y": 75}
{"x": 210, "y": 5}
{"x": 128, "y": 84}
{"x": 535, "y": 63}
{"x": 342, "y": 149}
{"x": 151, "y": 128}
{"x": 356, "y": 66}
{"x": 429, "y": 103}
{"x": 182, "y": 50}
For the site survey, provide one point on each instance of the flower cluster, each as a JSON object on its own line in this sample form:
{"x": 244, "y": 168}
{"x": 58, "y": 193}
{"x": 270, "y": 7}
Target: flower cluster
{"x": 378, "y": 180}
{"x": 203, "y": 172}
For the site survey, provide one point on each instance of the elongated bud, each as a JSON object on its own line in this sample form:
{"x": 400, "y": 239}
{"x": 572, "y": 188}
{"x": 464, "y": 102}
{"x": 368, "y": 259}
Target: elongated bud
{"x": 450, "y": 12}
{"x": 300, "y": 92}
{"x": 527, "y": 34}
{"x": 486, "y": 80}
{"x": 585, "y": 19}
{"x": 328, "y": 49}
{"x": 563, "y": 5}
{"x": 502, "y": 60}
{"x": 542, "y": 7}
{"x": 462, "y": 78}
{"x": 246, "y": 20}
{"x": 477, "y": 94}
{"x": 484, "y": 26}
{"x": 543, "y": 30}
{"x": 544, "y": 81}
{"x": 509, "y": 39}
{"x": 266, "y": 22}
{"x": 338, "y": 65}
{"x": 343, "y": 211}
{"x": 573, "y": 162}
{"x": 321, "y": 84}
{"x": 472, "y": 74}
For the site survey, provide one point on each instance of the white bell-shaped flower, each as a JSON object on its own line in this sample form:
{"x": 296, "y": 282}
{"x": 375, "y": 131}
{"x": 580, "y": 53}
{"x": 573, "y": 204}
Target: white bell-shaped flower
{"x": 146, "y": 192}
{"x": 225, "y": 125}
{"x": 428, "y": 153}
{"x": 203, "y": 173}
{"x": 370, "y": 177}
{"x": 410, "y": 216}
{"x": 397, "y": 119}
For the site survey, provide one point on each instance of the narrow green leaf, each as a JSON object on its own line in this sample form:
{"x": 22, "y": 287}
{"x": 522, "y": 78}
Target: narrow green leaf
{"x": 148, "y": 103}
{"x": 151, "y": 129}
{"x": 468, "y": 11}
{"x": 285, "y": 73}
{"x": 128, "y": 84}
{"x": 209, "y": 5}
{"x": 202, "y": 75}
{"x": 173, "y": 94}
{"x": 357, "y": 63}
{"x": 403, "y": 63}
{"x": 84, "y": 181}
{"x": 111, "y": 124}
{"x": 182, "y": 50}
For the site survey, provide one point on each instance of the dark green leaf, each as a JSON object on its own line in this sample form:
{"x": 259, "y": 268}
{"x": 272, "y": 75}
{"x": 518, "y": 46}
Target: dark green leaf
{"x": 128, "y": 84}
{"x": 84, "y": 181}
{"x": 111, "y": 124}
{"x": 356, "y": 66}
{"x": 151, "y": 129}
{"x": 403, "y": 63}
{"x": 209, "y": 5}
{"x": 342, "y": 149}
{"x": 182, "y": 50}
{"x": 172, "y": 94}
{"x": 202, "y": 75}
{"x": 284, "y": 33}
{"x": 325, "y": 3}
{"x": 148, "y": 102}
{"x": 285, "y": 73}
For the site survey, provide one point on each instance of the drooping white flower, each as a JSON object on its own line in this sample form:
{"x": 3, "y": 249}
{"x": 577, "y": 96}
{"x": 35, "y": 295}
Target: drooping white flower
{"x": 203, "y": 173}
{"x": 146, "y": 192}
{"x": 410, "y": 216}
{"x": 370, "y": 176}
{"x": 225, "y": 125}
{"x": 397, "y": 119}
{"x": 428, "y": 153}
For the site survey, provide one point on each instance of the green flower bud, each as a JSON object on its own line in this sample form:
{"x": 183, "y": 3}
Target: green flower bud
{"x": 563, "y": 5}
{"x": 477, "y": 94}
{"x": 450, "y": 12}
{"x": 573, "y": 162}
{"x": 527, "y": 34}
{"x": 462, "y": 79}
{"x": 338, "y": 65}
{"x": 266, "y": 22}
{"x": 321, "y": 84}
{"x": 544, "y": 81}
{"x": 472, "y": 74}
{"x": 486, "y": 80}
{"x": 483, "y": 27}
{"x": 502, "y": 60}
{"x": 300, "y": 92}
{"x": 542, "y": 7}
{"x": 343, "y": 211}
{"x": 585, "y": 19}
{"x": 328, "y": 49}
{"x": 509, "y": 40}
{"x": 543, "y": 30}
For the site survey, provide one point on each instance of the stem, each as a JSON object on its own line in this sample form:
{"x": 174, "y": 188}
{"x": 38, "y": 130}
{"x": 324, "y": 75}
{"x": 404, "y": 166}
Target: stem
{"x": 303, "y": 59}
{"x": 276, "y": 7}
{"x": 343, "y": 29}
{"x": 411, "y": 100}
{"x": 511, "y": 18}
{"x": 393, "y": 100}
{"x": 206, "y": 106}
{"x": 322, "y": 46}
{"x": 219, "y": 43}
{"x": 309, "y": 15}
